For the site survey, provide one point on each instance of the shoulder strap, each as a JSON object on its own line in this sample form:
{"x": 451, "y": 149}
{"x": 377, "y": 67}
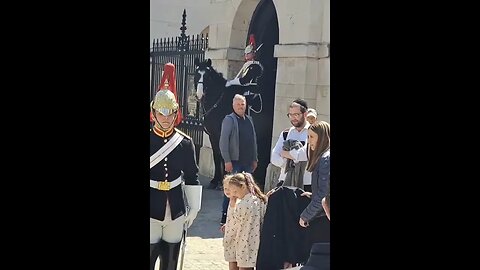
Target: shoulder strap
{"x": 285, "y": 134}
{"x": 166, "y": 149}
{"x": 244, "y": 67}
{"x": 182, "y": 133}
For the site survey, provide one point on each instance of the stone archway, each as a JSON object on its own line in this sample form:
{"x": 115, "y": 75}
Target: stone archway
{"x": 264, "y": 25}
{"x": 226, "y": 45}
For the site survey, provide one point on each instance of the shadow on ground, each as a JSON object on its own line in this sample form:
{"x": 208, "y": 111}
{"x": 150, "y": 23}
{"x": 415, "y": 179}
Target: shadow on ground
{"x": 207, "y": 223}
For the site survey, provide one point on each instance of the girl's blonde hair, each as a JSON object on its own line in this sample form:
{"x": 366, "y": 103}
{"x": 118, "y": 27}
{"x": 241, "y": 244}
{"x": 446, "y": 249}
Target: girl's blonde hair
{"x": 245, "y": 179}
{"x": 322, "y": 129}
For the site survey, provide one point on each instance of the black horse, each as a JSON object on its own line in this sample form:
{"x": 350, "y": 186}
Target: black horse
{"x": 216, "y": 101}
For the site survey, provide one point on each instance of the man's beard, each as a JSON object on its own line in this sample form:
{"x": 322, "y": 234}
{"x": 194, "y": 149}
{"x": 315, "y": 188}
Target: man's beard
{"x": 300, "y": 123}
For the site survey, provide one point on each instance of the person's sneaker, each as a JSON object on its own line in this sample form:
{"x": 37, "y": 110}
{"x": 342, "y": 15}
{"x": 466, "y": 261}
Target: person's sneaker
{"x": 212, "y": 186}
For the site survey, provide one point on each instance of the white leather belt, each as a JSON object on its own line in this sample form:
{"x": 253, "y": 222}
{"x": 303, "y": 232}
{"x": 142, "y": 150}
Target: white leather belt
{"x": 165, "y": 185}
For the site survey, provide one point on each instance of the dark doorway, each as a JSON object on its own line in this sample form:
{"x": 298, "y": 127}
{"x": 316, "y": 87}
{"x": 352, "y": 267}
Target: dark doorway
{"x": 264, "y": 25}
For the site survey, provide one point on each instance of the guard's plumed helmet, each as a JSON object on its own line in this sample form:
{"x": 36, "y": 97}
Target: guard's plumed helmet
{"x": 251, "y": 48}
{"x": 165, "y": 101}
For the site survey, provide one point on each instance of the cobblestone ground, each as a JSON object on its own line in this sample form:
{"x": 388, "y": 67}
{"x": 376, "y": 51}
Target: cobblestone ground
{"x": 203, "y": 254}
{"x": 204, "y": 249}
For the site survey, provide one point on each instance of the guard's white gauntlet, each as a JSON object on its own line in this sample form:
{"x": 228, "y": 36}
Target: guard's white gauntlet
{"x": 194, "y": 200}
{"x": 235, "y": 81}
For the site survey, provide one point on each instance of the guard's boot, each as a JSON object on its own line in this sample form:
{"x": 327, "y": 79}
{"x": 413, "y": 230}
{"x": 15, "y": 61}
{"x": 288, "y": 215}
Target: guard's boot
{"x": 254, "y": 101}
{"x": 169, "y": 257}
{"x": 155, "y": 253}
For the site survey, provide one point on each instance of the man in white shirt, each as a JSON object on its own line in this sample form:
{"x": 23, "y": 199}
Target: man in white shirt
{"x": 297, "y": 113}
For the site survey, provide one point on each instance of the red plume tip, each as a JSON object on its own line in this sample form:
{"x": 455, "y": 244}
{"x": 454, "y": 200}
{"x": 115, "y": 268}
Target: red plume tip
{"x": 168, "y": 81}
{"x": 252, "y": 40}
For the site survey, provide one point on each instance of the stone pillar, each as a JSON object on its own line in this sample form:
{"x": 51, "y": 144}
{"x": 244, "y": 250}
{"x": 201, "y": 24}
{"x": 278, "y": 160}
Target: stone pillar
{"x": 303, "y": 68}
{"x": 226, "y": 46}
{"x": 228, "y": 61}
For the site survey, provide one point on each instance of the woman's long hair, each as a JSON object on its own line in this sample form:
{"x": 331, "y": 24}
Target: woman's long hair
{"x": 322, "y": 129}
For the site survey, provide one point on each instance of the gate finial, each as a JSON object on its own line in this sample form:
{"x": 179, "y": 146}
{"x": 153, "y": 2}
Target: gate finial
{"x": 183, "y": 37}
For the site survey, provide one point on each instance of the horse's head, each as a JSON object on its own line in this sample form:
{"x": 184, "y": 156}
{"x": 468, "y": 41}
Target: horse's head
{"x": 207, "y": 79}
{"x": 202, "y": 75}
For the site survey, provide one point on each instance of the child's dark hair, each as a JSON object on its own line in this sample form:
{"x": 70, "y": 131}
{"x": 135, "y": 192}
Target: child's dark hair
{"x": 246, "y": 179}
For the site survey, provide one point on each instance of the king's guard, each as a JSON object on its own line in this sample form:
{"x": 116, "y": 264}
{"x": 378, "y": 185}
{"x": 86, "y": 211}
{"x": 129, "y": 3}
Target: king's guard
{"x": 175, "y": 192}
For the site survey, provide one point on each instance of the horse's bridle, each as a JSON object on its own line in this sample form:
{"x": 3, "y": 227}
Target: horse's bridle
{"x": 209, "y": 110}
{"x": 213, "y": 107}
{"x": 205, "y": 113}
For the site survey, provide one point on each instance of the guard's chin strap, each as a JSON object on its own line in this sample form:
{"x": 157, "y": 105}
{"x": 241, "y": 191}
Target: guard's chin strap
{"x": 163, "y": 132}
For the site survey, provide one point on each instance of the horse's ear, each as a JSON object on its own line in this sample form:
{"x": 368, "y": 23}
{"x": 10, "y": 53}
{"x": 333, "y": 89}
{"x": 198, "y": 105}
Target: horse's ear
{"x": 209, "y": 62}
{"x": 196, "y": 61}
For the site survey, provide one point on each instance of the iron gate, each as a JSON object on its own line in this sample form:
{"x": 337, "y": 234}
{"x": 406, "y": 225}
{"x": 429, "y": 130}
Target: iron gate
{"x": 181, "y": 51}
